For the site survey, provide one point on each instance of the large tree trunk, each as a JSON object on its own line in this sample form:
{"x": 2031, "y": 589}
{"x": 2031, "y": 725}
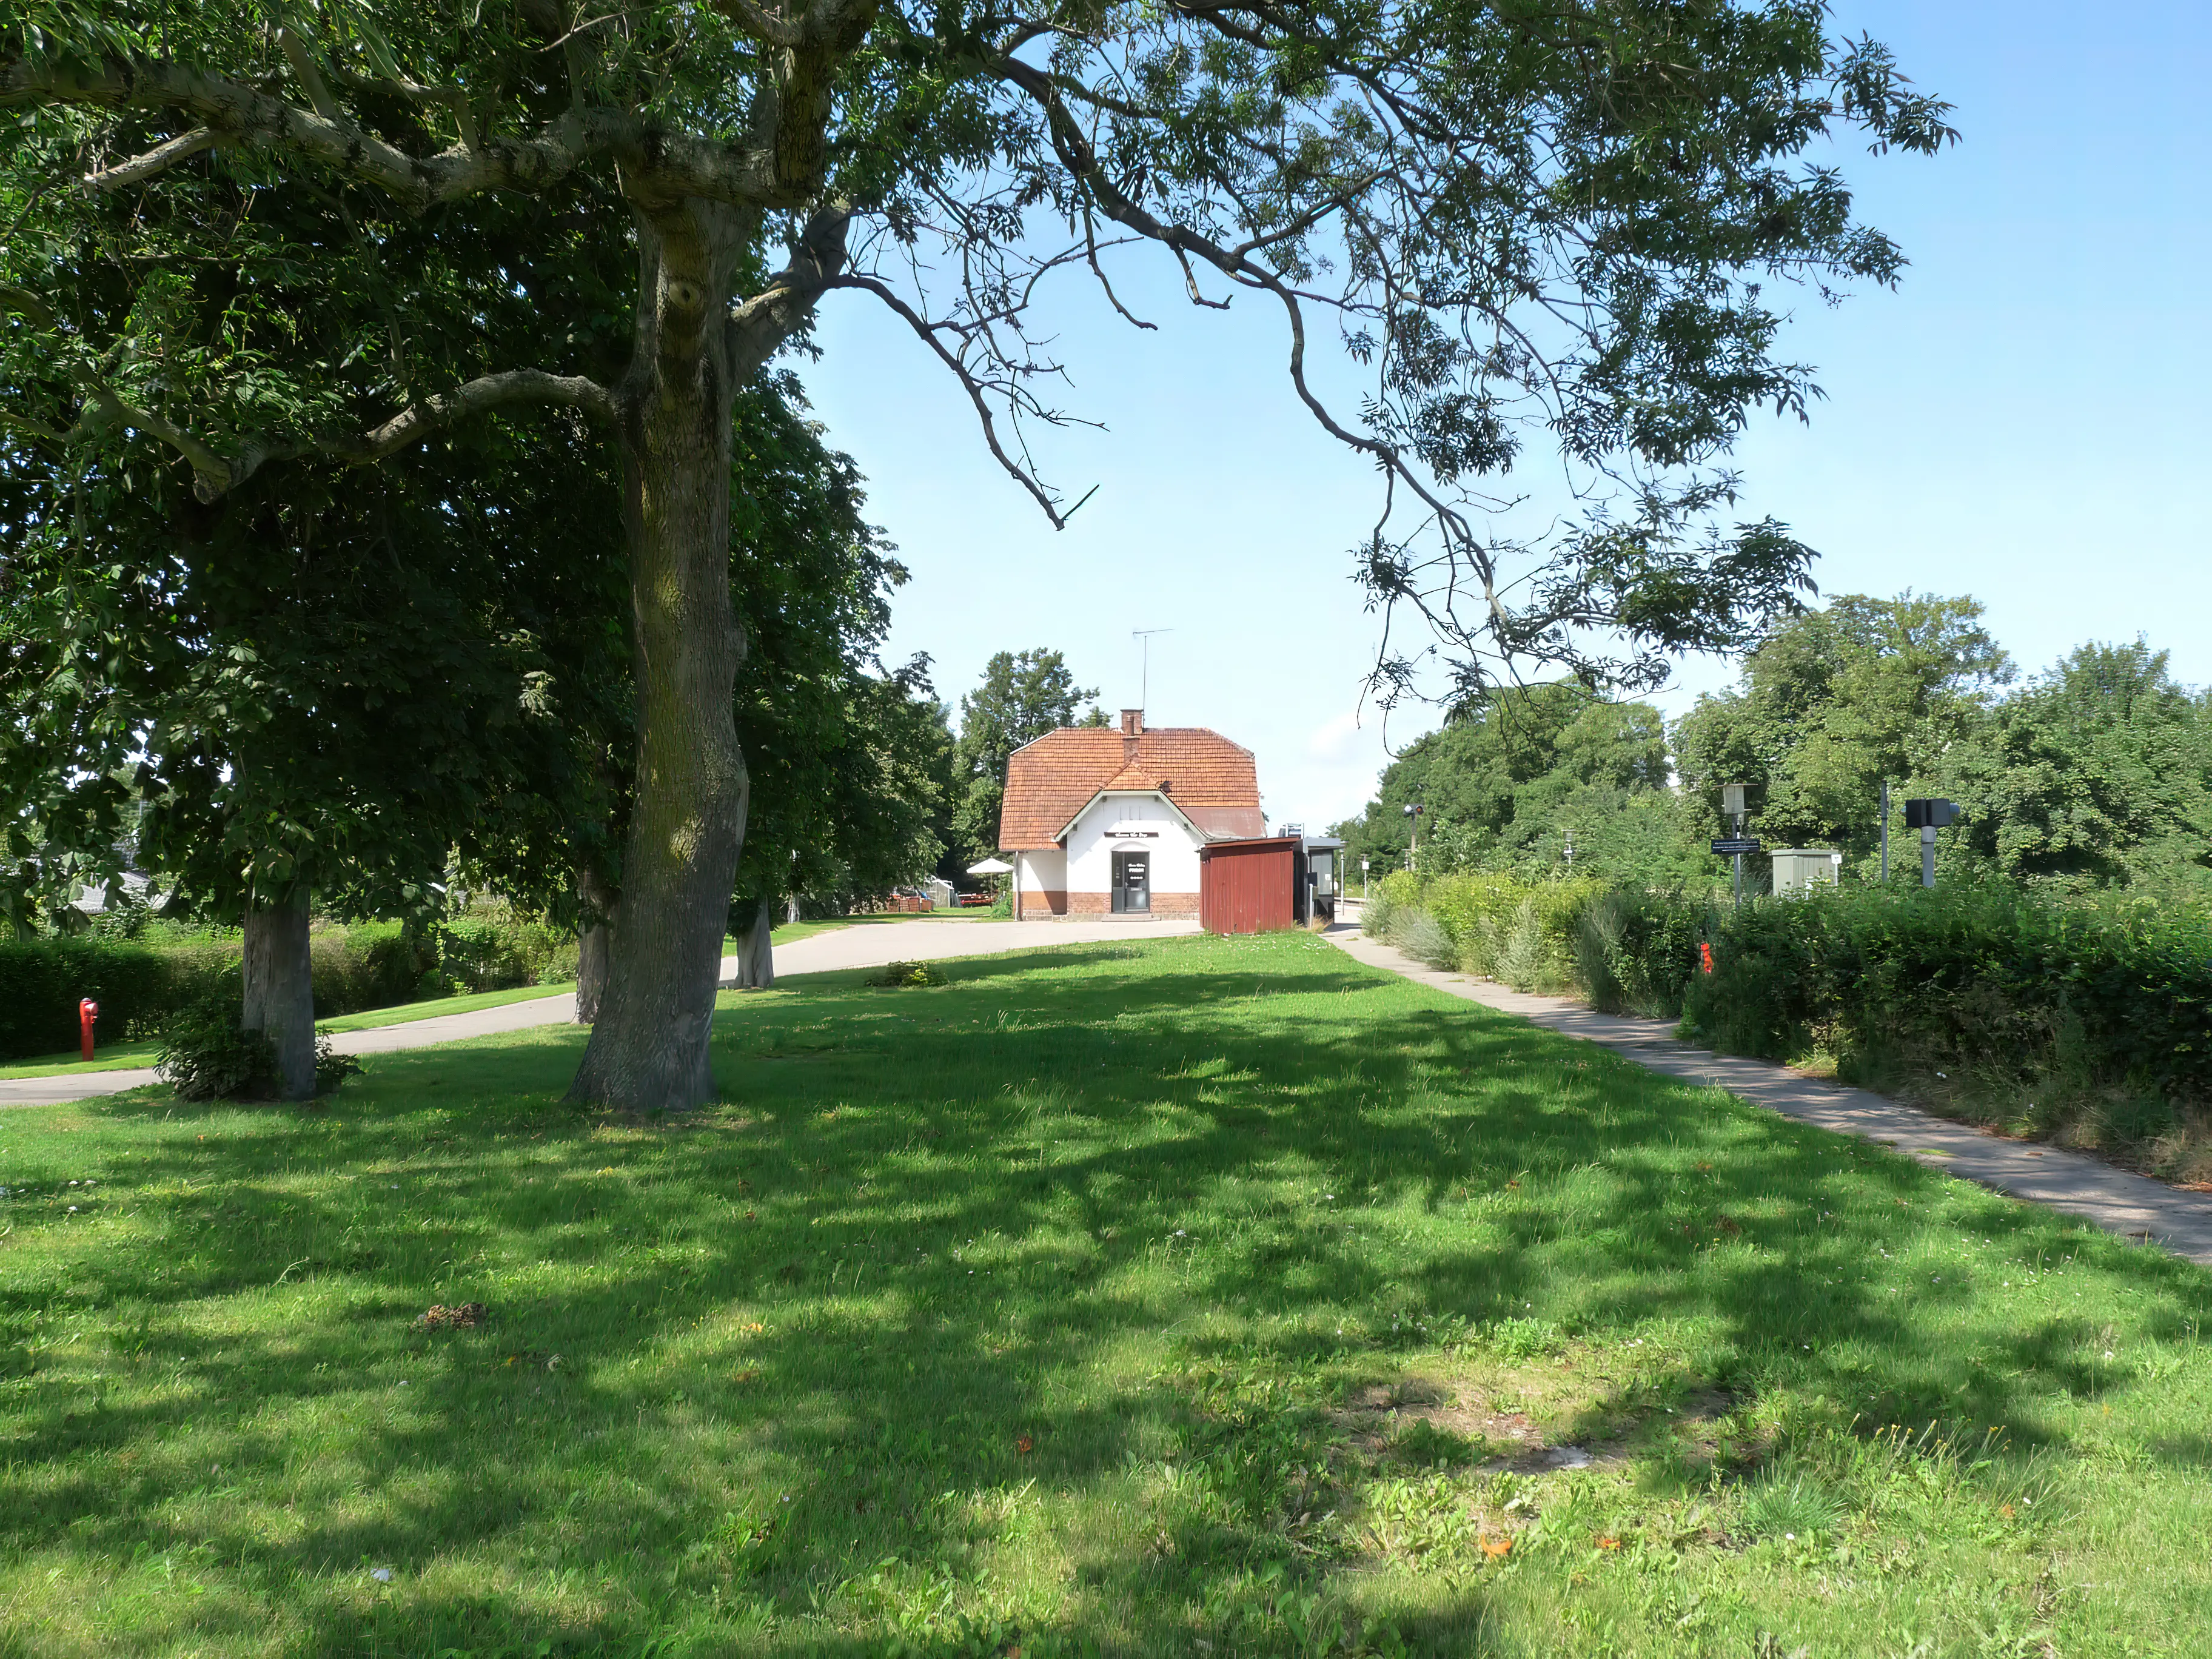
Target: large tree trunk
{"x": 280, "y": 992}
{"x": 755, "y": 955}
{"x": 648, "y": 1049}
{"x": 594, "y": 943}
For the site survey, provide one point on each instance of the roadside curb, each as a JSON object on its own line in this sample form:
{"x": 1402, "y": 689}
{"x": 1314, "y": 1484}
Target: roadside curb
{"x": 2135, "y": 1207}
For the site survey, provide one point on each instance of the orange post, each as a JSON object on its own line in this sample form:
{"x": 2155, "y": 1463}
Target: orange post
{"x": 86, "y": 1012}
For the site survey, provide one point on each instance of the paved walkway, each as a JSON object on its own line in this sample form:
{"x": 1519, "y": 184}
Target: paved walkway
{"x": 2134, "y": 1206}
{"x": 870, "y": 946}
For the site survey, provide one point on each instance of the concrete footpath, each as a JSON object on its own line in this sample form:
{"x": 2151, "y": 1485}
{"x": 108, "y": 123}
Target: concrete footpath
{"x": 2134, "y": 1206}
{"x": 867, "y": 945}
{"x": 872, "y": 945}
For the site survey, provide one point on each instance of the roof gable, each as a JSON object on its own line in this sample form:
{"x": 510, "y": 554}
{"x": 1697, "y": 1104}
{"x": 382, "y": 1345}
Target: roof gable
{"x": 1117, "y": 788}
{"x": 1209, "y": 780}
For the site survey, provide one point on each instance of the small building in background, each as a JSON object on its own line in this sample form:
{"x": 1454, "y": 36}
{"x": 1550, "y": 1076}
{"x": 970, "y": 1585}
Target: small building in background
{"x": 1269, "y": 882}
{"x": 1101, "y": 822}
{"x": 1801, "y": 869}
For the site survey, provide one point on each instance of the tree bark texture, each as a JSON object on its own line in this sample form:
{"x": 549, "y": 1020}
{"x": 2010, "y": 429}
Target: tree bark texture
{"x": 756, "y": 957}
{"x": 648, "y": 1049}
{"x": 280, "y": 992}
{"x": 593, "y": 941}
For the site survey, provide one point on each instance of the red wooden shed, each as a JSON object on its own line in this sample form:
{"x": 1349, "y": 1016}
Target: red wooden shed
{"x": 1248, "y": 886}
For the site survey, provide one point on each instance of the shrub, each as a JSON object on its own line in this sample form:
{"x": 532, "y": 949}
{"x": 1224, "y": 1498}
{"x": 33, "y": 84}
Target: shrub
{"x": 143, "y": 983}
{"x": 1986, "y": 988}
{"x": 903, "y": 974}
{"x": 1636, "y": 950}
{"x": 331, "y": 1068}
{"x": 206, "y": 1055}
{"x": 1500, "y": 926}
{"x": 372, "y": 964}
{"x": 1517, "y": 949}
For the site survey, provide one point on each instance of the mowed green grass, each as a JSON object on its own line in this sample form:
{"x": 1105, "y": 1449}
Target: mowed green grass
{"x": 1195, "y": 1297}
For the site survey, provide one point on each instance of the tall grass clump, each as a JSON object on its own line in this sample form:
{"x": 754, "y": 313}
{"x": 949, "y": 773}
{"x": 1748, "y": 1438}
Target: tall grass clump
{"x": 1496, "y": 926}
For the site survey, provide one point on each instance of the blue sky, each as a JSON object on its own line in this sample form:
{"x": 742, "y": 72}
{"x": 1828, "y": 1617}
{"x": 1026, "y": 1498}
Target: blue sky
{"x": 2023, "y": 420}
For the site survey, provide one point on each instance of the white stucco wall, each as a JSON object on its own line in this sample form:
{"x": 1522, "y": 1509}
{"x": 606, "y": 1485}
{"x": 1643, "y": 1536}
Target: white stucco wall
{"x": 1171, "y": 841}
{"x": 1044, "y": 872}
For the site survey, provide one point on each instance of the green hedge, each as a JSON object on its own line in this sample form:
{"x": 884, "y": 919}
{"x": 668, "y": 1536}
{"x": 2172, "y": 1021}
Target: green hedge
{"x": 140, "y": 983}
{"x": 1987, "y": 980}
{"x": 2031, "y": 1008}
{"x": 136, "y": 986}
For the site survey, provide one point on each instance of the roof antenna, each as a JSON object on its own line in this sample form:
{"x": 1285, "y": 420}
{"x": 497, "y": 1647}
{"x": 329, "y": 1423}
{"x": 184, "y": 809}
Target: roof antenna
{"x": 1145, "y": 684}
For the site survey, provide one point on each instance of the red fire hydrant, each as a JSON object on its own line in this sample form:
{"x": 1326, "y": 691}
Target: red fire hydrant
{"x": 86, "y": 1012}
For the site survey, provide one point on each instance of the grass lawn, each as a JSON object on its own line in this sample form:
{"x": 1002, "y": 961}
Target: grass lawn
{"x": 1313, "y": 1312}
{"x": 408, "y": 1013}
{"x": 107, "y": 1057}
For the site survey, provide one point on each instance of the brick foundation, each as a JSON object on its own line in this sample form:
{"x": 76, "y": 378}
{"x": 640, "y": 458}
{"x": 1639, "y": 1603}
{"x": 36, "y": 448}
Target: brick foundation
{"x": 1038, "y": 906}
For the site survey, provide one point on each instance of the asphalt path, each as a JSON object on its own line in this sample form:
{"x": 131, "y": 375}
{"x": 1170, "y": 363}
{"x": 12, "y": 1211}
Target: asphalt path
{"x": 867, "y": 944}
{"x": 2137, "y": 1207}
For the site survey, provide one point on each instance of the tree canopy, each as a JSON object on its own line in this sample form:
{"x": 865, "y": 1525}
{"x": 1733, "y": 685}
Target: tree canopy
{"x": 1563, "y": 220}
{"x": 2098, "y": 774}
{"x": 1521, "y": 777}
{"x": 1839, "y": 700}
{"x": 2094, "y": 774}
{"x": 1023, "y": 695}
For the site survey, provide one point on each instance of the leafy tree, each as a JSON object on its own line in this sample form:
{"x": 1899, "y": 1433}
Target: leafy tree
{"x": 1837, "y": 701}
{"x": 1024, "y": 695}
{"x": 298, "y": 689}
{"x": 855, "y": 814}
{"x": 1516, "y": 776}
{"x": 2098, "y": 774}
{"x": 1562, "y": 218}
{"x": 326, "y": 669}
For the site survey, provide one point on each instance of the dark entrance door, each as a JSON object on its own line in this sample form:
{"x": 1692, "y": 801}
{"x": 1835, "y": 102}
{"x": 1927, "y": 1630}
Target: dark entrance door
{"x": 1133, "y": 883}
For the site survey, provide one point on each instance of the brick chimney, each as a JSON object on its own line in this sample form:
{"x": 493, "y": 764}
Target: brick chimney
{"x": 1132, "y": 728}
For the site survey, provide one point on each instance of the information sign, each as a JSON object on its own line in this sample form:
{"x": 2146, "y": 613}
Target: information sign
{"x": 1726, "y": 845}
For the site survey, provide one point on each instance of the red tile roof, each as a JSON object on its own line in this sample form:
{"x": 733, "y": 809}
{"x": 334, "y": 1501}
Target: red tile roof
{"x": 1211, "y": 780}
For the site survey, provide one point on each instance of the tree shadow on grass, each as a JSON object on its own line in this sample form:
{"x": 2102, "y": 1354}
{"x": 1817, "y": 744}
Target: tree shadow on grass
{"x": 947, "y": 1246}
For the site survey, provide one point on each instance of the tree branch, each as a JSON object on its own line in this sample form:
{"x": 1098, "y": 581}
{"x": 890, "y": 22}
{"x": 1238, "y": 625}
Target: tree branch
{"x": 159, "y": 159}
{"x": 309, "y": 74}
{"x": 451, "y": 98}
{"x": 770, "y": 28}
{"x": 41, "y": 314}
{"x": 486, "y": 393}
{"x": 928, "y": 337}
{"x": 214, "y": 474}
{"x": 760, "y": 325}
{"x": 679, "y": 163}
